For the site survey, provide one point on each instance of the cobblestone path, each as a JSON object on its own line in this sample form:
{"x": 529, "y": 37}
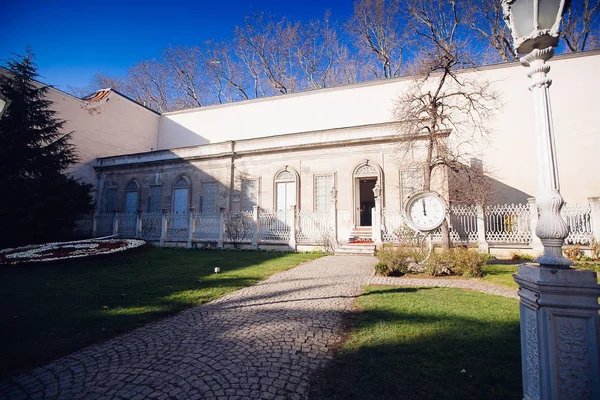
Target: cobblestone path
{"x": 470, "y": 284}
{"x": 260, "y": 342}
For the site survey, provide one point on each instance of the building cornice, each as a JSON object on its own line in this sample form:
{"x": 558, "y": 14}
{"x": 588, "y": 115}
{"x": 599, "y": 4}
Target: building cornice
{"x": 248, "y": 147}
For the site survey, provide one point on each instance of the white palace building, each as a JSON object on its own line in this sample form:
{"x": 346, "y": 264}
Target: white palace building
{"x": 300, "y": 169}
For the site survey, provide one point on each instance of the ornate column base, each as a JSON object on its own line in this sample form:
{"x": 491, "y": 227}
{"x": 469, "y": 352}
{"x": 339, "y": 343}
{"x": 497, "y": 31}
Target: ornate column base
{"x": 560, "y": 333}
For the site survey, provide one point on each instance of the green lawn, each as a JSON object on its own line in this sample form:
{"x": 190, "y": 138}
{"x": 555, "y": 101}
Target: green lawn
{"x": 499, "y": 274}
{"x": 427, "y": 343}
{"x": 502, "y": 274}
{"x": 52, "y": 310}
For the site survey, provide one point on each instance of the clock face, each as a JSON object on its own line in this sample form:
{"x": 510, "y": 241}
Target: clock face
{"x": 425, "y": 211}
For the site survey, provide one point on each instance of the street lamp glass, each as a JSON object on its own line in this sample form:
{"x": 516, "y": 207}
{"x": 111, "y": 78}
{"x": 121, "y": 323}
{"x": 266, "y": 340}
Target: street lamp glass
{"x": 534, "y": 23}
{"x": 522, "y": 14}
{"x": 548, "y": 13}
{"x": 2, "y": 105}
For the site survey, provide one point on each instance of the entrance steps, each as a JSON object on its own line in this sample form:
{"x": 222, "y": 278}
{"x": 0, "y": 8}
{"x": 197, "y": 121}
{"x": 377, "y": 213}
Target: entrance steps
{"x": 356, "y": 248}
{"x": 361, "y": 233}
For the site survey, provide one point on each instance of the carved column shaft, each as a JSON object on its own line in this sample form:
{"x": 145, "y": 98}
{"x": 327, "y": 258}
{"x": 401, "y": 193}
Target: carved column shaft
{"x": 551, "y": 228}
{"x": 559, "y": 333}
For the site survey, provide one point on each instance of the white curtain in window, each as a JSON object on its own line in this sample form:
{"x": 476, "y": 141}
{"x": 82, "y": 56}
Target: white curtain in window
{"x": 286, "y": 195}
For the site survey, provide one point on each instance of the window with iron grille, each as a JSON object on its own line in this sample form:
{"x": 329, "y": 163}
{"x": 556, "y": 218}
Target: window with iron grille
{"x": 323, "y": 186}
{"x": 208, "y": 198}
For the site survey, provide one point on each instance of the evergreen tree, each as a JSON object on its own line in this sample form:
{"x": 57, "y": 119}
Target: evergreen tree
{"x": 39, "y": 201}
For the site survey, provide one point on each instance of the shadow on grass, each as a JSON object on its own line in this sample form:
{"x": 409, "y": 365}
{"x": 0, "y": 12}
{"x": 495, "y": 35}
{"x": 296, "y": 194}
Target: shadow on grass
{"x": 423, "y": 353}
{"x": 51, "y": 310}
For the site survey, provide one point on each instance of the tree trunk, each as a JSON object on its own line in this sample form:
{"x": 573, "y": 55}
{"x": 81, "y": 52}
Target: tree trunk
{"x": 445, "y": 231}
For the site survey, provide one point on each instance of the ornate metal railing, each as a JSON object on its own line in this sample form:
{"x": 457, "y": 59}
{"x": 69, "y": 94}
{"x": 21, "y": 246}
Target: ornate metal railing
{"x": 207, "y": 227}
{"x": 177, "y": 226}
{"x": 238, "y": 226}
{"x": 104, "y": 224}
{"x": 151, "y": 225}
{"x": 391, "y": 222}
{"x": 313, "y": 226}
{"x": 127, "y": 225}
{"x": 274, "y": 226}
{"x": 463, "y": 223}
{"x": 507, "y": 223}
{"x": 579, "y": 220}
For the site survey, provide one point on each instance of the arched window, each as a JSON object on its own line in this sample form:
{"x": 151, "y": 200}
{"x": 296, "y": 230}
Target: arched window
{"x": 286, "y": 183}
{"x": 181, "y": 195}
{"x": 132, "y": 194}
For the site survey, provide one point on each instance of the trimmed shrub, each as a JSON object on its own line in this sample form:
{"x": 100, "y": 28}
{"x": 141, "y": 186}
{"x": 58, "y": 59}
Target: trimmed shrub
{"x": 518, "y": 256}
{"x": 574, "y": 253}
{"x": 394, "y": 261}
{"x": 595, "y": 246}
{"x": 459, "y": 261}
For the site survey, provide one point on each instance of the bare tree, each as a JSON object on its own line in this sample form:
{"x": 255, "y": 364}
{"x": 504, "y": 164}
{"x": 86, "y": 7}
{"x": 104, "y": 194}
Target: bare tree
{"x": 469, "y": 184}
{"x": 323, "y": 59}
{"x": 225, "y": 72}
{"x": 268, "y": 49}
{"x": 148, "y": 82}
{"x": 237, "y": 228}
{"x": 444, "y": 113}
{"x": 376, "y": 28}
{"x": 581, "y": 25}
{"x": 184, "y": 68}
{"x": 486, "y": 20}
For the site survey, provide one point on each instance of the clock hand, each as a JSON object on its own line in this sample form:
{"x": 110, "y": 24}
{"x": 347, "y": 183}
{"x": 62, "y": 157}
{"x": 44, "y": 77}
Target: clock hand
{"x": 424, "y": 210}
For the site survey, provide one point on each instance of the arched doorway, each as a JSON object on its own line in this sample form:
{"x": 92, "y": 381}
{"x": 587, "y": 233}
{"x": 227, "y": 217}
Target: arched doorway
{"x": 364, "y": 178}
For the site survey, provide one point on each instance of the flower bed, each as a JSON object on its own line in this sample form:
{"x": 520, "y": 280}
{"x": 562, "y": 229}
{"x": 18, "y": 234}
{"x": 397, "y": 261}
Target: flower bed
{"x": 58, "y": 251}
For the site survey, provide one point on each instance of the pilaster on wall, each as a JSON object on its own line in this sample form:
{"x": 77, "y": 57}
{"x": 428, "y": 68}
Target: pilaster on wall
{"x": 221, "y": 228}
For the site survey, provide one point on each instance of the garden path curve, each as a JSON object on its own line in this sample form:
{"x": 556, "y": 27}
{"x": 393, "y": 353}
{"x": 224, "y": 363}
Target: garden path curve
{"x": 261, "y": 342}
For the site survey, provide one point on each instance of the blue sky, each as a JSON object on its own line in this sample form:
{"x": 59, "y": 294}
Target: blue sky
{"x": 73, "y": 40}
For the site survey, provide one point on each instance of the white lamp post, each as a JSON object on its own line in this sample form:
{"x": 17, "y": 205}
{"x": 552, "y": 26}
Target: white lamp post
{"x": 535, "y": 28}
{"x": 559, "y": 305}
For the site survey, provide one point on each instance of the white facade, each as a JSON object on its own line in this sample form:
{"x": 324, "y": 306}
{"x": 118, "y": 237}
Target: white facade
{"x": 115, "y": 125}
{"x": 508, "y": 154}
